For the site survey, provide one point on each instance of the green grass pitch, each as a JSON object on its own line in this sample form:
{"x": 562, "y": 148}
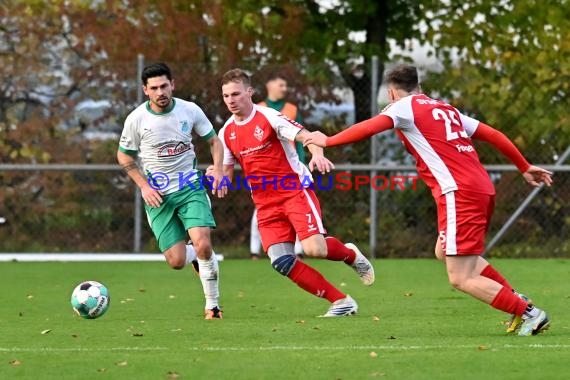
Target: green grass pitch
{"x": 411, "y": 325}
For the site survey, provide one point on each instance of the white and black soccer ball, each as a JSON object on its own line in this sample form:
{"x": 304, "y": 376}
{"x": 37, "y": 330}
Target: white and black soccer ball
{"x": 90, "y": 299}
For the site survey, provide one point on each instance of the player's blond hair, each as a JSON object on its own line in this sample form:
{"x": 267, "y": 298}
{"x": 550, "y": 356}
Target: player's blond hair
{"x": 237, "y": 76}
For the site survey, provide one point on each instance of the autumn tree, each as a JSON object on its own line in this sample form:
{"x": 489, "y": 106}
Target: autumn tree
{"x": 507, "y": 63}
{"x": 503, "y": 62}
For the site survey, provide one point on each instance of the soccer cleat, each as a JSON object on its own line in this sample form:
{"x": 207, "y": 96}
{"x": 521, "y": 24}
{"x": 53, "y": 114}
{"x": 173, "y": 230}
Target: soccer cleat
{"x": 214, "y": 313}
{"x": 362, "y": 266}
{"x": 533, "y": 326}
{"x": 342, "y": 307}
{"x": 516, "y": 321}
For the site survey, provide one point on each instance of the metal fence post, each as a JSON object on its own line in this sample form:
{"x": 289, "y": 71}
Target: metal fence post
{"x": 138, "y": 202}
{"x": 373, "y": 154}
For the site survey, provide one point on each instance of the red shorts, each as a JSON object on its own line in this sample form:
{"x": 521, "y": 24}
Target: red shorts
{"x": 283, "y": 216}
{"x": 463, "y": 219}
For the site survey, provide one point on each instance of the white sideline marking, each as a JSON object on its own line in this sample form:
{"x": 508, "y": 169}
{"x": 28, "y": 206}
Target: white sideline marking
{"x": 40, "y": 257}
{"x": 79, "y": 349}
{"x": 373, "y": 347}
{"x": 287, "y": 348}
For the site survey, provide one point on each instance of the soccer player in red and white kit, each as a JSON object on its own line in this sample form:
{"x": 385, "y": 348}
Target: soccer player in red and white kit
{"x": 259, "y": 139}
{"x": 439, "y": 138}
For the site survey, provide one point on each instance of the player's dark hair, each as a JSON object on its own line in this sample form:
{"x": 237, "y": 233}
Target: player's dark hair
{"x": 403, "y": 77}
{"x": 155, "y": 70}
{"x": 276, "y": 75}
{"x": 237, "y": 76}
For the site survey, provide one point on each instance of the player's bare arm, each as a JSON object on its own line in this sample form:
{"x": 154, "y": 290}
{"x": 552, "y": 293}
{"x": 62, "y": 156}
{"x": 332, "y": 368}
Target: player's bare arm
{"x": 535, "y": 176}
{"x": 152, "y": 197}
{"x": 217, "y": 151}
{"x": 315, "y": 138}
{"x": 227, "y": 172}
{"x": 318, "y": 159}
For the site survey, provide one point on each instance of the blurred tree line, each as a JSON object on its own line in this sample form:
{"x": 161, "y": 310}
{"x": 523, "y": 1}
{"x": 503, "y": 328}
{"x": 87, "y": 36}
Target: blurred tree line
{"x": 504, "y": 63}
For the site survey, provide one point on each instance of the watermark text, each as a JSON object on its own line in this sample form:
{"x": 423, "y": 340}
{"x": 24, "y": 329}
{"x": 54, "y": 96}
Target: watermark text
{"x": 342, "y": 181}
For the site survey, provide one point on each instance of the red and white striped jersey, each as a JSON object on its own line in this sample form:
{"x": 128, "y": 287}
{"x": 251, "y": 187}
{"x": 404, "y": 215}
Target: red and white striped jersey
{"x": 261, "y": 144}
{"x": 438, "y": 136}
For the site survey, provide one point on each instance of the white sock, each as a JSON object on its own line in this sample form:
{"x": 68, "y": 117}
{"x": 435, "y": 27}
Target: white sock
{"x": 255, "y": 238}
{"x": 209, "y": 275}
{"x": 190, "y": 254}
{"x": 531, "y": 312}
{"x": 298, "y": 247}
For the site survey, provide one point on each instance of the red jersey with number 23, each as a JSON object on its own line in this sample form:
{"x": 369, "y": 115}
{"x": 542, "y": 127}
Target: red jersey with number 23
{"x": 438, "y": 136}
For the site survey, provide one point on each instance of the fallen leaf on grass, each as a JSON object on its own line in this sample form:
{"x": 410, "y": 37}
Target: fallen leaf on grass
{"x": 173, "y": 375}
{"x": 301, "y": 321}
{"x": 172, "y": 296}
{"x": 391, "y": 337}
{"x": 46, "y": 331}
{"x": 142, "y": 290}
{"x": 74, "y": 335}
{"x": 375, "y": 318}
{"x": 137, "y": 334}
{"x": 377, "y": 374}
{"x": 343, "y": 284}
{"x": 408, "y": 294}
{"x": 175, "y": 330}
{"x": 102, "y": 370}
{"x": 122, "y": 364}
{"x": 15, "y": 362}
{"x": 373, "y": 354}
{"x": 482, "y": 347}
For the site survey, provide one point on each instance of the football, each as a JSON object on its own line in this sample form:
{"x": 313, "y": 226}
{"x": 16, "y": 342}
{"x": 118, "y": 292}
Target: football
{"x": 90, "y": 299}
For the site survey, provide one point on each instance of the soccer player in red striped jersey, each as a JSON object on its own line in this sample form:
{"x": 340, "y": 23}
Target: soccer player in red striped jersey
{"x": 259, "y": 139}
{"x": 440, "y": 139}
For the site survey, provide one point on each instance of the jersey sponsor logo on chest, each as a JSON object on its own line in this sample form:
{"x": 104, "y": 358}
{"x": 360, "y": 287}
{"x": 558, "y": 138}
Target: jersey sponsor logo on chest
{"x": 172, "y": 149}
{"x": 255, "y": 149}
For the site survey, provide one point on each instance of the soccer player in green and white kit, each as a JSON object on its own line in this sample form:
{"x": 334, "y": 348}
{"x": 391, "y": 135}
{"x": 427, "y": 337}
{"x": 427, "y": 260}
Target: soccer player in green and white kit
{"x": 159, "y": 132}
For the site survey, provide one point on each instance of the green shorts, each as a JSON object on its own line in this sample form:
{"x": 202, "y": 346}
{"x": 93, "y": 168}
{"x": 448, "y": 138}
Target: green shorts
{"x": 178, "y": 212}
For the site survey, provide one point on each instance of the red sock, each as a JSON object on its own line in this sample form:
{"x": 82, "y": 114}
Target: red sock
{"x": 509, "y": 302}
{"x": 336, "y": 251}
{"x": 313, "y": 282}
{"x": 492, "y": 273}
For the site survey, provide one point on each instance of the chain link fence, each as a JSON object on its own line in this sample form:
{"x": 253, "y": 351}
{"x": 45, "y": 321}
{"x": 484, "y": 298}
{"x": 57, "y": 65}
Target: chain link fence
{"x": 49, "y": 206}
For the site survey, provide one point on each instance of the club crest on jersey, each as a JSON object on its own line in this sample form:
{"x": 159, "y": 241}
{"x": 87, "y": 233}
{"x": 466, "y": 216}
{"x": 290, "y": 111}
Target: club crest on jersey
{"x": 184, "y": 126}
{"x": 258, "y": 133}
{"x": 232, "y": 136}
